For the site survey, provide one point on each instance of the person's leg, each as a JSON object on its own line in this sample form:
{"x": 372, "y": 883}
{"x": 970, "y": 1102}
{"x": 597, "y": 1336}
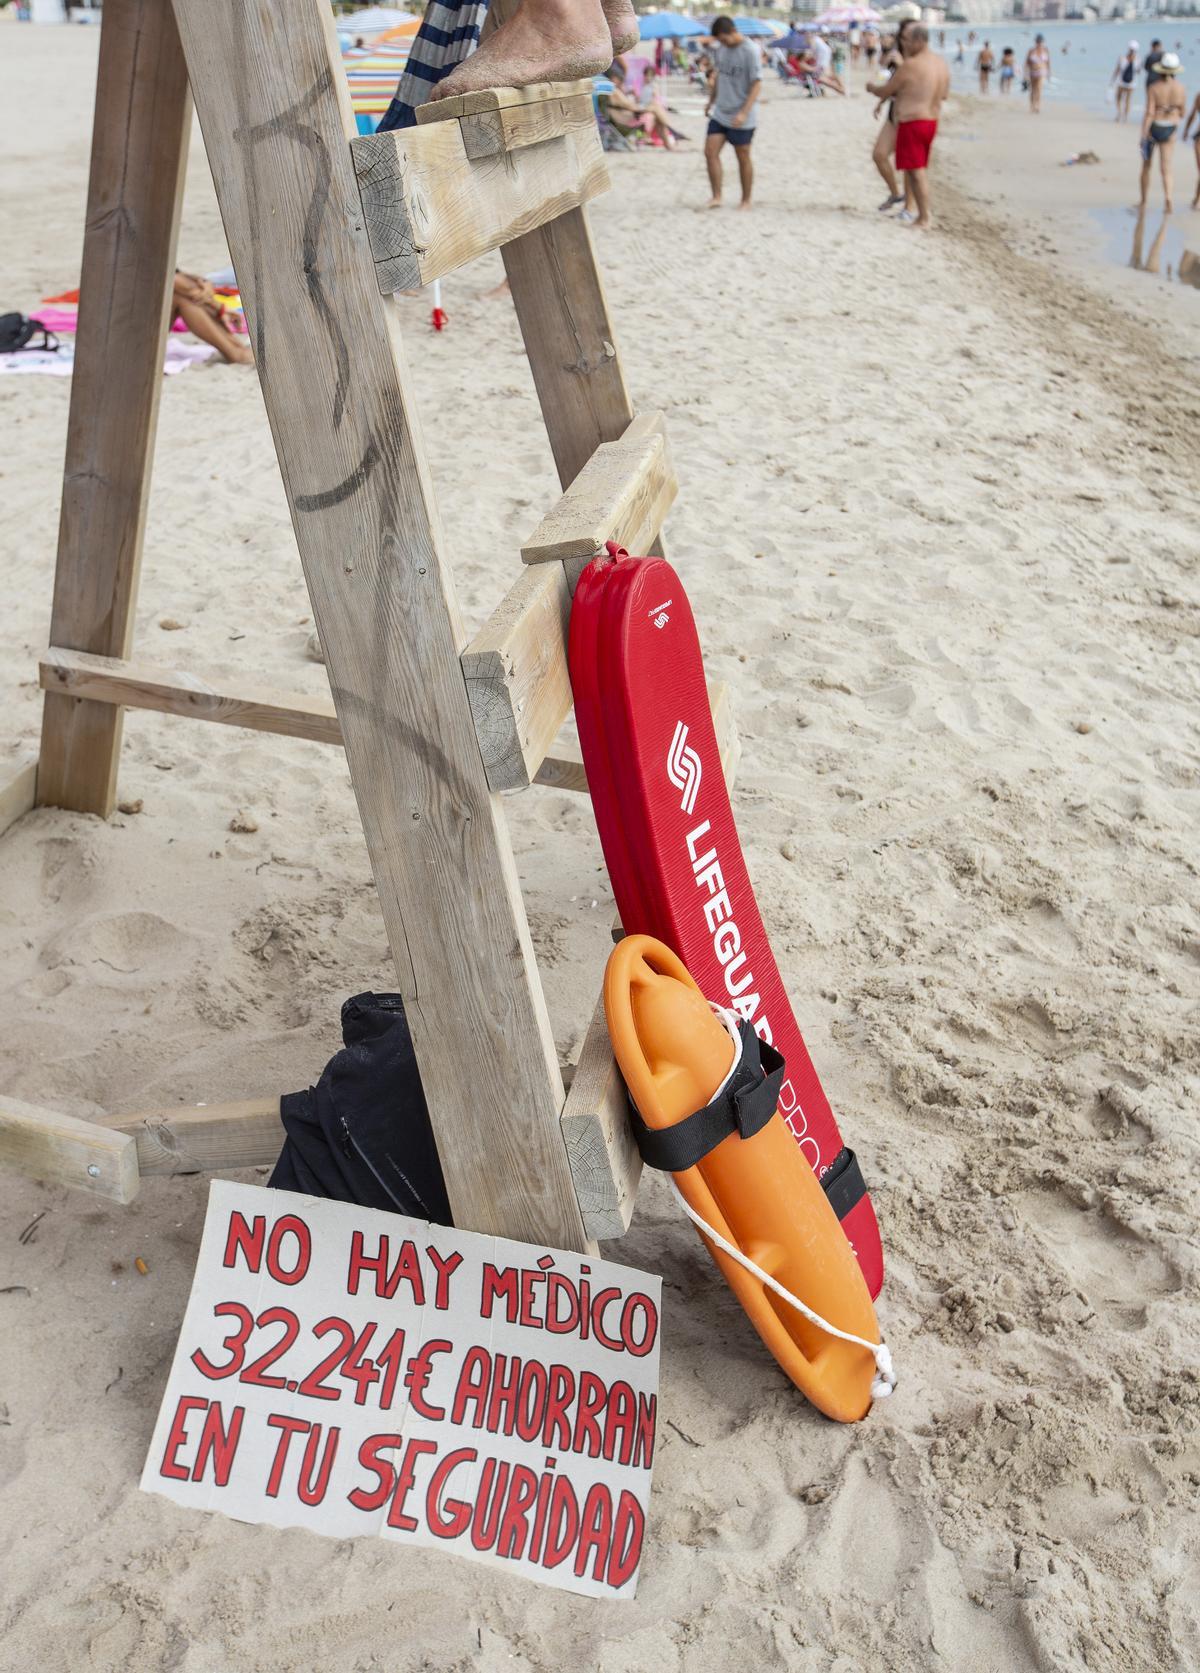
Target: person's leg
{"x": 712, "y": 161}
{"x": 546, "y": 40}
{"x": 1144, "y": 181}
{"x": 1166, "y": 163}
{"x": 745, "y": 173}
{"x": 881, "y": 156}
{"x": 1196, "y": 199}
{"x": 918, "y": 179}
{"x": 201, "y": 324}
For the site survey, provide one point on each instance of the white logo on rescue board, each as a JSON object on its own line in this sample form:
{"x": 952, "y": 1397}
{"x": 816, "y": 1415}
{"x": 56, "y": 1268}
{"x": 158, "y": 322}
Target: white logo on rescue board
{"x": 684, "y": 768}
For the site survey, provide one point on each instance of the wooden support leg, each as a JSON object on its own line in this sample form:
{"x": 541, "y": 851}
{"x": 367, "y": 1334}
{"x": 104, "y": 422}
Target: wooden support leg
{"x": 139, "y": 149}
{"x": 277, "y": 124}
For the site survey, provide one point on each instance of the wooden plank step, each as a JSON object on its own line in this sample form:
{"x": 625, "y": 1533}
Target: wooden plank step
{"x": 509, "y": 118}
{"x": 517, "y": 677}
{"x": 429, "y": 208}
{"x": 61, "y": 1149}
{"x": 623, "y": 493}
{"x": 141, "y": 685}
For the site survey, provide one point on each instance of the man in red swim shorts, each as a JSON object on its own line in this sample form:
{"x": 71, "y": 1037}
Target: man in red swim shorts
{"x": 919, "y": 88}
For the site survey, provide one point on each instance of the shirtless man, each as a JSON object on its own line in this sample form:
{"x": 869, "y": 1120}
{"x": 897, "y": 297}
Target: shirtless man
{"x": 1166, "y": 105}
{"x": 985, "y": 64}
{"x": 919, "y": 88}
{"x": 1037, "y": 70}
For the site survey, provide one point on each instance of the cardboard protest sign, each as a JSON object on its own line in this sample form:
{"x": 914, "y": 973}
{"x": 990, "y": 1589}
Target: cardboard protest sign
{"x": 355, "y": 1372}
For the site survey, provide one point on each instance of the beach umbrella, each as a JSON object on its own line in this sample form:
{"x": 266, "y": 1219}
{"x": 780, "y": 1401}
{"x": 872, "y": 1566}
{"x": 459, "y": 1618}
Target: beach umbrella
{"x": 794, "y": 41}
{"x": 756, "y": 26}
{"x": 667, "y": 26}
{"x": 372, "y": 20}
{"x": 843, "y": 17}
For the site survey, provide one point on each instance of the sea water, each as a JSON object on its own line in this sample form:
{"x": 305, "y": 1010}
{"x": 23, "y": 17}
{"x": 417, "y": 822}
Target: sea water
{"x": 1082, "y": 73}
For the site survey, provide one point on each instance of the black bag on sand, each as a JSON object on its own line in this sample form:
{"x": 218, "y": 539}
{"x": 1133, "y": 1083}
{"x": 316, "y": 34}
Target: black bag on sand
{"x": 362, "y": 1134}
{"x": 17, "y": 332}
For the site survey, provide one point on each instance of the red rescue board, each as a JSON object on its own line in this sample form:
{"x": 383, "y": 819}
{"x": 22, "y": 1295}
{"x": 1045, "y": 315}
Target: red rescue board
{"x": 671, "y": 844}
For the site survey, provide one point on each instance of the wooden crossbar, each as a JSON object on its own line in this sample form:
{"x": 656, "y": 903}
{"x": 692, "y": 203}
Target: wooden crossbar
{"x": 18, "y": 789}
{"x": 142, "y": 685}
{"x": 623, "y": 493}
{"x": 243, "y": 1134}
{"x": 509, "y": 118}
{"x": 61, "y": 1149}
{"x": 429, "y": 208}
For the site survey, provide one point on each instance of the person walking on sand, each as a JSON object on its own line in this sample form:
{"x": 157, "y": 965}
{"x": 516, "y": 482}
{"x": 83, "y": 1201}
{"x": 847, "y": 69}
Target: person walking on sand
{"x": 1166, "y": 103}
{"x": 885, "y": 144}
{"x": 731, "y": 109}
{"x": 1037, "y": 71}
{"x": 1194, "y": 116}
{"x": 1008, "y": 70}
{"x": 1123, "y": 79}
{"x": 985, "y": 64}
{"x": 919, "y": 88}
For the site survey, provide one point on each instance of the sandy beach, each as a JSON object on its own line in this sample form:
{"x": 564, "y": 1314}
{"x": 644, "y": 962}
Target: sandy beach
{"x": 937, "y": 519}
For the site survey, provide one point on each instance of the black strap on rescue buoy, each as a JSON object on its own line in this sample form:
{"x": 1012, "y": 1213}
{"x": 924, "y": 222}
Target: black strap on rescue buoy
{"x": 744, "y": 1105}
{"x": 843, "y": 1183}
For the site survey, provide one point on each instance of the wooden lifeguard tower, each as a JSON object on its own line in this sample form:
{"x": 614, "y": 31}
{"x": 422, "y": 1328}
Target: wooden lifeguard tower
{"x": 323, "y": 225}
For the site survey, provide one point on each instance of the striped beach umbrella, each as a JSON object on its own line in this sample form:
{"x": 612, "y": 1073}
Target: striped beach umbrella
{"x": 372, "y": 73}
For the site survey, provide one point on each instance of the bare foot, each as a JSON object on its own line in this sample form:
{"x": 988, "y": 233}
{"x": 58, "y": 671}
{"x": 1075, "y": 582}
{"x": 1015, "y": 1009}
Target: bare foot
{"x": 745, "y": 204}
{"x": 622, "y": 24}
{"x": 546, "y": 40}
{"x": 713, "y": 203}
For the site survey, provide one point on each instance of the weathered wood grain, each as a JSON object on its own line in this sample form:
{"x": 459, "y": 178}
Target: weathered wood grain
{"x": 62, "y": 1150}
{"x": 605, "y": 1163}
{"x": 428, "y": 208}
{"x": 517, "y": 677}
{"x": 141, "y": 685}
{"x": 500, "y": 98}
{"x": 623, "y": 493}
{"x": 139, "y": 149}
{"x": 18, "y": 789}
{"x": 493, "y": 132}
{"x": 277, "y": 127}
{"x": 204, "y": 1137}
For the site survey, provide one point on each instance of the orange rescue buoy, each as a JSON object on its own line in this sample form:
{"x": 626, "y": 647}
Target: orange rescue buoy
{"x": 753, "y": 1189}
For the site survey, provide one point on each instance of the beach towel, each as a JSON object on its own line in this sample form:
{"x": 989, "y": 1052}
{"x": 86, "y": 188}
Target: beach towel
{"x": 179, "y": 356}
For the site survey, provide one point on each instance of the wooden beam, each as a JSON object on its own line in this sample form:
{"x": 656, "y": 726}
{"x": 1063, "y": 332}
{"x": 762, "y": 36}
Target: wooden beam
{"x": 623, "y": 493}
{"x": 517, "y": 677}
{"x": 204, "y": 1137}
{"x": 509, "y": 118}
{"x": 18, "y": 789}
{"x": 277, "y": 126}
{"x": 605, "y": 1163}
{"x": 140, "y": 685}
{"x": 428, "y": 208}
{"x": 139, "y": 150}
{"x": 62, "y": 1150}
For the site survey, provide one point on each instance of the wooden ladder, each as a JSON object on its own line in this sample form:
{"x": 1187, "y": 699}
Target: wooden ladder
{"x": 323, "y": 225}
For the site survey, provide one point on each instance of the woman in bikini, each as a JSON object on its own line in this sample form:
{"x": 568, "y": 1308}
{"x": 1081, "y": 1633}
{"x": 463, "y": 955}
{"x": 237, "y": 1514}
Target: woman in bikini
{"x": 1166, "y": 103}
{"x": 1124, "y": 79}
{"x": 1037, "y": 70}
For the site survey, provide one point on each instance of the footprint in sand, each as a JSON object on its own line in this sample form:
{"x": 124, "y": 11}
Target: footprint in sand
{"x": 1120, "y": 1271}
